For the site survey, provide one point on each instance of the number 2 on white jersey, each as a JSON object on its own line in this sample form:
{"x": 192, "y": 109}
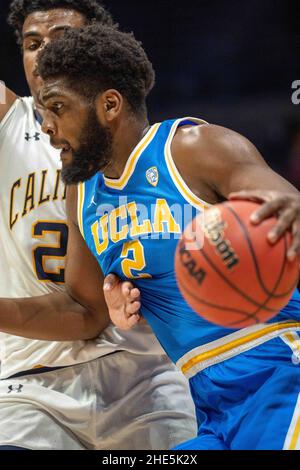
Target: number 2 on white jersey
{"x": 43, "y": 252}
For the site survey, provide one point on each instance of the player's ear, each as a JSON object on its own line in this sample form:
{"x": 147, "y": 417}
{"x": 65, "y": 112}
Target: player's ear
{"x": 109, "y": 105}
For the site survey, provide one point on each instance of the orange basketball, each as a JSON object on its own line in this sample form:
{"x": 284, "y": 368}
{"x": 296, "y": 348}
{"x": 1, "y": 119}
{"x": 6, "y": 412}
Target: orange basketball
{"x": 238, "y": 278}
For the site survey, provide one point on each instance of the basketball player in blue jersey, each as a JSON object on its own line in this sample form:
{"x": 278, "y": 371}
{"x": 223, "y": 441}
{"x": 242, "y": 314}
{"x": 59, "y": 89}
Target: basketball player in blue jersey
{"x": 133, "y": 180}
{"x": 135, "y": 183}
{"x": 114, "y": 391}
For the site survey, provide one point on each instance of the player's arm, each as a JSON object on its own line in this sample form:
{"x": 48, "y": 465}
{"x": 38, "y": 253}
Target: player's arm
{"x": 7, "y": 99}
{"x": 223, "y": 162}
{"x": 78, "y": 314}
{"x": 85, "y": 280}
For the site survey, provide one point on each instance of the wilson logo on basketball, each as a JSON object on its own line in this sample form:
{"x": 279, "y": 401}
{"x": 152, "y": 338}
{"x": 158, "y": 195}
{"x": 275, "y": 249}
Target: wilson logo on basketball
{"x": 242, "y": 287}
{"x": 214, "y": 231}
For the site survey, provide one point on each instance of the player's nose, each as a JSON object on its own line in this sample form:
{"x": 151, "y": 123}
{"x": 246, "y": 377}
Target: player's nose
{"x": 48, "y": 125}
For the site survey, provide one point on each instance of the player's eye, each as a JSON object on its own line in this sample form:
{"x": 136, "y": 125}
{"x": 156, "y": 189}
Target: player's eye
{"x": 56, "y": 107}
{"x": 33, "y": 46}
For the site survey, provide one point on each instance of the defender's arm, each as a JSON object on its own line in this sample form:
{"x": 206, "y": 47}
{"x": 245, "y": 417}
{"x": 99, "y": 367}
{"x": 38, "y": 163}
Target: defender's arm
{"x": 78, "y": 314}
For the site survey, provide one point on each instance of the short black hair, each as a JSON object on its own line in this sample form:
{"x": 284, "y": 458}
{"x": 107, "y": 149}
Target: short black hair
{"x": 96, "y": 58}
{"x": 20, "y": 9}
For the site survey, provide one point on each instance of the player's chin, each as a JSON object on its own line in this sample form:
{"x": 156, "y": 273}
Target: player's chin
{"x": 66, "y": 157}
{"x": 72, "y": 174}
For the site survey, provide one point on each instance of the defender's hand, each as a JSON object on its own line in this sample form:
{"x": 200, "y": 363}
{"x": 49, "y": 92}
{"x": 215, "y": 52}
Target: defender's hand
{"x": 123, "y": 302}
{"x": 285, "y": 205}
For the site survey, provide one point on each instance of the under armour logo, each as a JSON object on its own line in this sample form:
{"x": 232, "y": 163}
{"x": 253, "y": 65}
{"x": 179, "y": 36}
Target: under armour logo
{"x": 15, "y": 388}
{"x": 36, "y": 136}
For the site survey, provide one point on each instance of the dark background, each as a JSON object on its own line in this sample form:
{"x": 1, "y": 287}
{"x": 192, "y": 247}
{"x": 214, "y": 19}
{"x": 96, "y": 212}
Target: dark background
{"x": 231, "y": 62}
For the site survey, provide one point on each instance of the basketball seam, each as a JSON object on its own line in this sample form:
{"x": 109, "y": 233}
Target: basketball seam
{"x": 209, "y": 304}
{"x": 258, "y": 273}
{"x": 269, "y": 294}
{"x": 233, "y": 286}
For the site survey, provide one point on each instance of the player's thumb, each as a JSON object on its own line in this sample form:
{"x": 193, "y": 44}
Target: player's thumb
{"x": 110, "y": 282}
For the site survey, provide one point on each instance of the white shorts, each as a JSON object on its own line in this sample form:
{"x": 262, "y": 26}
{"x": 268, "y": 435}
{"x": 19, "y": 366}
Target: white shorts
{"x": 120, "y": 401}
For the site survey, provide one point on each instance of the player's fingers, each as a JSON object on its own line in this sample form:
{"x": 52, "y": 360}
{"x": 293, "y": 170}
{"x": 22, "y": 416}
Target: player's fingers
{"x": 110, "y": 282}
{"x": 133, "y": 320}
{"x": 134, "y": 295}
{"x": 284, "y": 223}
{"x": 133, "y": 308}
{"x": 294, "y": 250}
{"x": 267, "y": 210}
{"x": 119, "y": 318}
{"x": 126, "y": 288}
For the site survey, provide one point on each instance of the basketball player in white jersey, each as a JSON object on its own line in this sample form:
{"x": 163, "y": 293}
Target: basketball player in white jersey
{"x": 59, "y": 390}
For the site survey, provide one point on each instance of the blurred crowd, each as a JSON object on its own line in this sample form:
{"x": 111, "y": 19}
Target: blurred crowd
{"x": 292, "y": 166}
{"x": 229, "y": 62}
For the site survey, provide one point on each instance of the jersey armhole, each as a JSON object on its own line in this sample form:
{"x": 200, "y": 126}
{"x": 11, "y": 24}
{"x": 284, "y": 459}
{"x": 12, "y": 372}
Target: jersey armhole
{"x": 176, "y": 177}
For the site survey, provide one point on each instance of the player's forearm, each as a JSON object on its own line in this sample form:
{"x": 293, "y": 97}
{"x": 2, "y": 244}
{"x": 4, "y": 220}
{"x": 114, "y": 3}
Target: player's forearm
{"x": 53, "y": 317}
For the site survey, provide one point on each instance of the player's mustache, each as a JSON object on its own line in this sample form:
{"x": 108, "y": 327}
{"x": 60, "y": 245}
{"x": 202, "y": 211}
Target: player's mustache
{"x": 59, "y": 144}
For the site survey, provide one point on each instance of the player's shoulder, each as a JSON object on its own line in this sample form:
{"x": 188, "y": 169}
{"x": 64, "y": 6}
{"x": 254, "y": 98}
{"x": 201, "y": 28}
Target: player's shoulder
{"x": 203, "y": 134}
{"x": 25, "y": 104}
{"x": 22, "y": 108}
{"x": 210, "y": 140}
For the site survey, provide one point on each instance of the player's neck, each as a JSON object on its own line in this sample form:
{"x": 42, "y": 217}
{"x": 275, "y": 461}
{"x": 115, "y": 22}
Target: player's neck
{"x": 126, "y": 138}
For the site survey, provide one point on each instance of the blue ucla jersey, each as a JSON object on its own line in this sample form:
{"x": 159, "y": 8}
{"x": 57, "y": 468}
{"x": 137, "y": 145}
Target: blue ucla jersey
{"x": 132, "y": 226}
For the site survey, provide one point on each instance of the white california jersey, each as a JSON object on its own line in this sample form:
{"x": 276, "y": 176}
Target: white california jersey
{"x": 33, "y": 242}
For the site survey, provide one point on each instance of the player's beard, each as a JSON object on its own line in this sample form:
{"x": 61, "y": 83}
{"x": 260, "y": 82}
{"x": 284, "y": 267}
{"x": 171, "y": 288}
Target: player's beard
{"x": 93, "y": 154}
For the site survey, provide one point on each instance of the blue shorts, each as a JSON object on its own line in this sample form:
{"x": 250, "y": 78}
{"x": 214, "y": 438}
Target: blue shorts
{"x": 251, "y": 401}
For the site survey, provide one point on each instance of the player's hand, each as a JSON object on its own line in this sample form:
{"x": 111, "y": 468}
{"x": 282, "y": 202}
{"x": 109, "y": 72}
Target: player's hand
{"x": 123, "y": 302}
{"x": 284, "y": 205}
